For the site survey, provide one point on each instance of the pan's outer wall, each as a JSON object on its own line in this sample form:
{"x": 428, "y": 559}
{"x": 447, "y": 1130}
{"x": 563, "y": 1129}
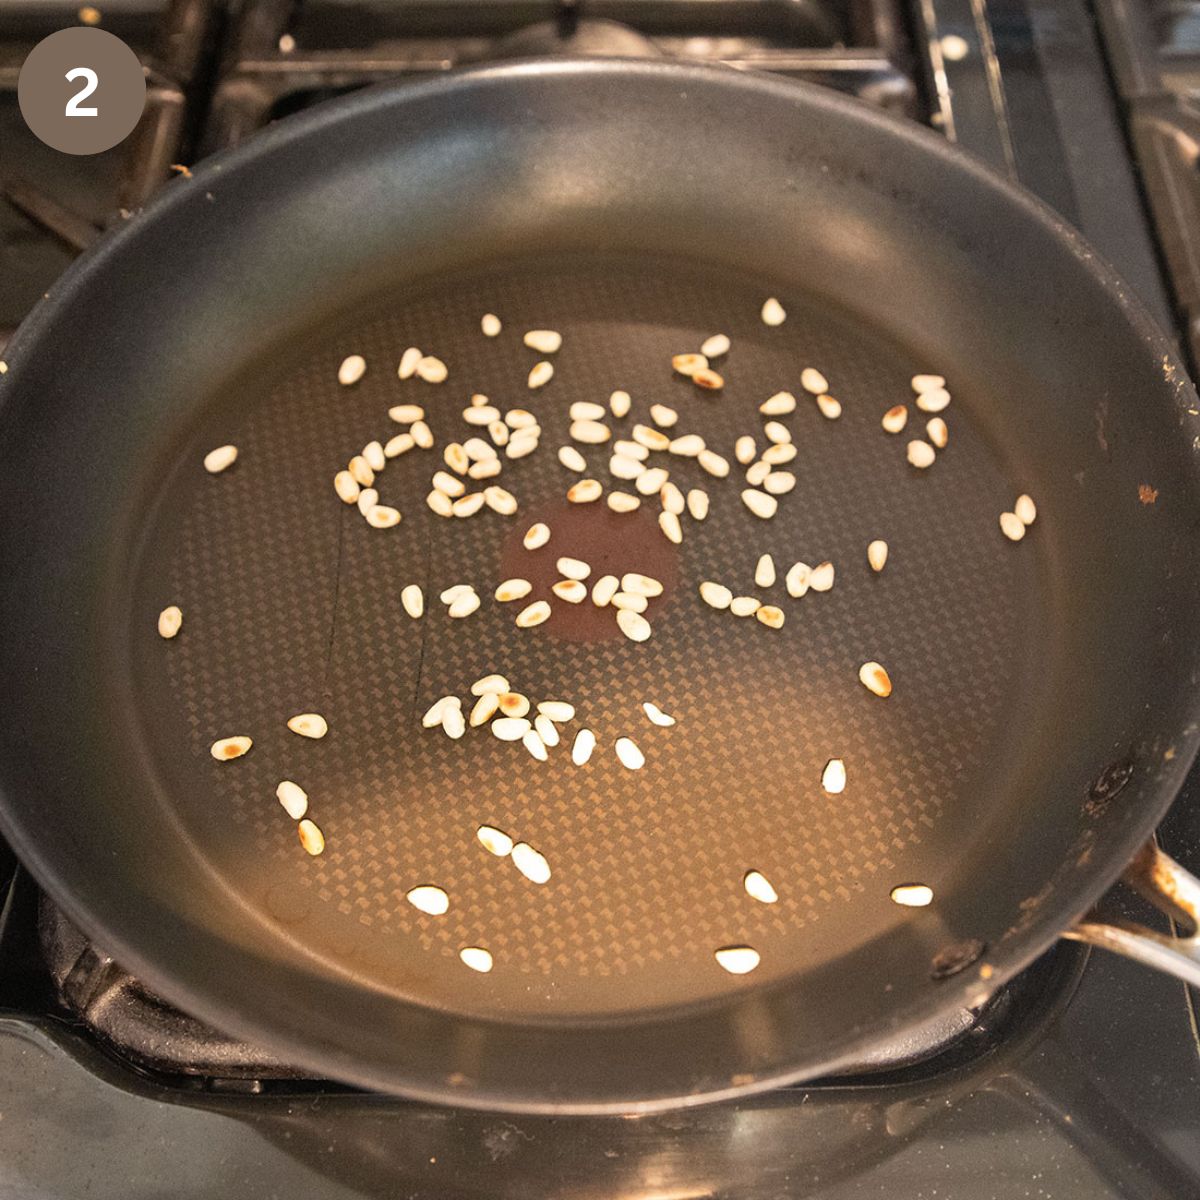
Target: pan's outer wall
{"x": 795, "y": 183}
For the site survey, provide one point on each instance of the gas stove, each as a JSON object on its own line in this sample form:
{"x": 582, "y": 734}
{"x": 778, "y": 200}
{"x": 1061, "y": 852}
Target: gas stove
{"x": 1080, "y": 1079}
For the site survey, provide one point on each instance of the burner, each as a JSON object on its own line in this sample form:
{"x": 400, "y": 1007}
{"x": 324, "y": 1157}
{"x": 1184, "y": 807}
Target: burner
{"x": 607, "y": 39}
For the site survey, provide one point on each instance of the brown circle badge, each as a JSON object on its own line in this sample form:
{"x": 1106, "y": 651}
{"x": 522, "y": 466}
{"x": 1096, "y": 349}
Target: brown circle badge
{"x": 81, "y": 90}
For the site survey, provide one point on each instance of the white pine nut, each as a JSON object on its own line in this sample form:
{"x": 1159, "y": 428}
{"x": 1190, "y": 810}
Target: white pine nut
{"x": 541, "y": 374}
{"x": 535, "y": 614}
{"x": 770, "y": 615}
{"x": 672, "y": 498}
{"x": 413, "y": 600}
{"x": 346, "y": 487}
{"x": 1025, "y": 509}
{"x": 431, "y": 369}
{"x": 779, "y": 483}
{"x": 744, "y": 606}
{"x": 663, "y": 416}
{"x": 309, "y": 725}
{"x": 464, "y": 605}
{"x": 445, "y": 482}
{"x": 715, "y": 595}
{"x": 833, "y": 777}
{"x": 619, "y": 403}
{"x": 927, "y": 383}
{"x": 352, "y": 369}
{"x": 744, "y": 450}
{"x": 484, "y": 709}
{"x": 821, "y": 579}
{"x": 590, "y": 433}
{"x": 798, "y": 579}
{"x": 650, "y": 482}
{"x": 811, "y": 380}
{"x": 228, "y": 748}
{"x": 582, "y": 747}
{"x": 498, "y": 432}
{"x": 570, "y": 590}
{"x": 544, "y": 341}
{"x": 402, "y": 443}
{"x": 433, "y": 715}
{"x": 875, "y": 679}
{"x": 293, "y": 798}
{"x": 627, "y": 449}
{"x": 777, "y": 432}
{"x": 406, "y": 414}
{"x": 487, "y": 469}
{"x": 573, "y": 568}
{"x": 534, "y": 744}
{"x": 630, "y": 754}
{"x": 934, "y": 400}
{"x": 738, "y": 960}
{"x": 490, "y": 685}
{"x": 452, "y": 593}
{"x": 170, "y": 620}
{"x": 585, "y": 491}
{"x": 772, "y": 312}
{"x": 440, "y": 503}
{"x": 429, "y": 899}
{"x": 641, "y": 585}
{"x": 920, "y": 454}
{"x": 456, "y": 458}
{"x": 220, "y": 459}
{"x": 622, "y": 502}
{"x": 775, "y": 456}
{"x": 499, "y": 500}
{"x": 895, "y": 419}
{"x": 937, "y": 432}
{"x": 408, "y": 362}
{"x": 585, "y": 410}
{"x": 633, "y": 625}
{"x": 367, "y": 499}
{"x": 572, "y": 459}
{"x": 421, "y": 434}
{"x": 668, "y": 522}
{"x": 759, "y": 503}
{"x": 715, "y": 346}
{"x": 604, "y": 589}
{"x": 519, "y": 418}
{"x": 688, "y": 364}
{"x": 757, "y": 473}
{"x": 657, "y": 716}
{"x": 383, "y": 516}
{"x": 510, "y": 729}
{"x": 530, "y": 863}
{"x": 1012, "y": 526}
{"x": 546, "y": 730}
{"x": 912, "y": 895}
{"x": 477, "y": 450}
{"x": 764, "y": 572}
{"x": 652, "y": 439}
{"x": 453, "y": 724}
{"x": 536, "y": 536}
{"x": 830, "y": 408}
{"x": 627, "y": 601}
{"x": 621, "y": 467}
{"x": 311, "y": 837}
{"x": 758, "y": 887}
{"x": 521, "y": 444}
{"x": 468, "y": 505}
{"x": 494, "y": 841}
{"x": 779, "y": 405}
{"x": 697, "y": 504}
{"x": 477, "y": 958}
{"x": 687, "y": 446}
{"x": 877, "y": 553}
{"x": 484, "y": 414}
{"x": 490, "y": 324}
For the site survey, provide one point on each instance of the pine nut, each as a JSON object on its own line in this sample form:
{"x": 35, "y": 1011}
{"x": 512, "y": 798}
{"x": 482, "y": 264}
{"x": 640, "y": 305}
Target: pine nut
{"x": 759, "y": 503}
{"x": 429, "y": 899}
{"x": 406, "y": 414}
{"x": 490, "y": 685}
{"x": 484, "y": 709}
{"x": 558, "y": 711}
{"x": 1025, "y": 509}
{"x": 657, "y": 716}
{"x": 530, "y": 863}
{"x": 663, "y": 416}
{"x": 641, "y": 585}
{"x": 402, "y": 443}
{"x": 353, "y": 368}
{"x": 875, "y": 679}
{"x": 668, "y": 522}
{"x": 534, "y": 744}
{"x": 573, "y": 568}
{"x": 520, "y": 418}
{"x": 764, "y": 572}
{"x": 756, "y": 473}
{"x": 477, "y": 450}
{"x": 715, "y": 346}
{"x": 688, "y": 446}
{"x": 585, "y": 410}
{"x": 383, "y": 516}
{"x": 464, "y": 606}
{"x": 715, "y": 595}
{"x": 546, "y": 730}
{"x": 510, "y": 729}
{"x": 772, "y": 312}
{"x": 477, "y": 958}
{"x": 877, "y": 553}
{"x": 490, "y": 324}
{"x": 708, "y": 379}
{"x": 582, "y": 747}
{"x": 627, "y": 449}
{"x": 478, "y": 400}
{"x": 798, "y": 579}
{"x": 627, "y": 601}
{"x": 912, "y": 895}
{"x": 895, "y": 419}
{"x": 833, "y": 777}
{"x": 633, "y": 625}
{"x": 758, "y": 887}
{"x": 738, "y": 960}
{"x": 744, "y": 450}
{"x": 309, "y": 725}
{"x": 541, "y": 374}
{"x": 811, "y": 380}
{"x": 779, "y": 405}
{"x": 604, "y": 589}
{"x": 621, "y": 467}
{"x": 934, "y": 400}
{"x": 408, "y": 362}
{"x": 920, "y": 454}
{"x": 535, "y": 614}
{"x": 311, "y": 837}
{"x": 830, "y": 408}
{"x": 1012, "y": 526}
{"x": 778, "y": 433}
{"x": 570, "y": 590}
{"x": 927, "y": 383}
{"x": 590, "y": 433}
{"x": 293, "y": 798}
{"x": 622, "y": 502}
{"x": 445, "y": 482}
{"x": 630, "y": 754}
{"x": 937, "y": 432}
{"x": 413, "y": 600}
{"x": 619, "y": 403}
{"x": 672, "y": 498}
{"x": 688, "y": 364}
{"x": 499, "y": 500}
{"x": 536, "y": 536}
{"x": 544, "y": 341}
{"x": 220, "y": 459}
{"x": 171, "y": 619}
{"x": 346, "y": 487}
{"x": 697, "y": 504}
{"x": 469, "y": 505}
{"x": 821, "y": 579}
{"x": 494, "y": 841}
{"x": 779, "y": 483}
{"x": 650, "y": 482}
{"x": 453, "y": 724}
{"x": 499, "y": 434}
{"x": 521, "y": 444}
{"x": 777, "y": 455}
{"x": 231, "y": 747}
{"x": 652, "y": 439}
{"x": 367, "y": 499}
{"x": 744, "y": 606}
{"x": 440, "y": 503}
{"x": 572, "y": 459}
{"x": 585, "y": 491}
{"x": 770, "y": 616}
{"x": 435, "y": 712}
{"x": 484, "y": 414}
{"x": 452, "y": 593}
{"x": 421, "y": 434}
{"x": 431, "y": 369}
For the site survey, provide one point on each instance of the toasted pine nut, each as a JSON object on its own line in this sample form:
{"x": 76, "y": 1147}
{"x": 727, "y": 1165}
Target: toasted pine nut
{"x": 490, "y": 685}
{"x": 708, "y": 379}
{"x": 697, "y": 504}
{"x": 663, "y": 416}
{"x": 311, "y": 837}
{"x": 406, "y": 414}
{"x": 499, "y": 434}
{"x": 1025, "y": 509}
{"x": 912, "y": 895}
{"x": 621, "y": 467}
{"x": 572, "y": 459}
{"x": 877, "y": 553}
{"x": 309, "y": 725}
{"x": 408, "y": 362}
{"x": 672, "y": 498}
{"x": 171, "y": 619}
{"x": 875, "y": 679}
{"x": 353, "y": 368}
{"x": 798, "y": 579}
{"x": 544, "y": 341}
{"x": 758, "y": 887}
{"x": 541, "y": 374}
{"x": 895, "y": 419}
{"x": 738, "y": 960}
{"x": 641, "y": 585}
{"x": 622, "y": 502}
{"x": 590, "y": 433}
{"x": 657, "y": 716}
{"x": 833, "y": 777}
{"x": 633, "y": 625}
{"x": 383, "y": 516}
{"x": 715, "y": 346}
{"x": 421, "y": 434}
{"x": 937, "y": 432}
{"x": 293, "y": 798}
{"x": 688, "y": 364}
{"x": 402, "y": 443}
{"x": 585, "y": 410}
{"x": 775, "y": 456}
{"x": 484, "y": 709}
{"x": 440, "y": 503}
{"x": 687, "y": 446}
{"x": 744, "y": 606}
{"x": 772, "y": 312}
{"x": 464, "y": 606}
{"x": 482, "y": 414}
{"x": 570, "y": 590}
{"x": 582, "y": 747}
{"x": 494, "y": 841}
{"x": 777, "y": 432}
{"x": 770, "y": 615}
{"x": 830, "y": 408}
{"x": 715, "y": 595}
{"x": 499, "y": 500}
{"x": 628, "y": 601}
{"x": 546, "y": 730}
{"x": 220, "y": 459}
{"x": 585, "y": 491}
{"x": 431, "y": 369}
{"x": 619, "y": 404}
{"x": 779, "y": 405}
{"x": 532, "y": 742}
{"x": 535, "y": 614}
{"x": 920, "y": 454}
{"x": 759, "y": 503}
{"x": 821, "y": 579}
{"x": 445, "y": 482}
{"x": 530, "y": 863}
{"x": 652, "y": 439}
{"x": 650, "y": 482}
{"x": 536, "y": 536}
{"x": 934, "y": 400}
{"x": 764, "y": 572}
{"x": 346, "y": 487}
{"x": 927, "y": 383}
{"x": 231, "y": 747}
{"x": 811, "y": 380}
{"x": 490, "y": 324}
{"x": 630, "y": 754}
{"x": 1012, "y": 526}
{"x": 510, "y": 729}
{"x": 429, "y": 899}
{"x": 477, "y": 958}
{"x": 514, "y": 704}
{"x": 668, "y": 522}
{"x": 744, "y": 450}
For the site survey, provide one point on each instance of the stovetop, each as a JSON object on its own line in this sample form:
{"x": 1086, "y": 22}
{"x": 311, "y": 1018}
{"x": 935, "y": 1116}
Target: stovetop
{"x": 1081, "y": 1079}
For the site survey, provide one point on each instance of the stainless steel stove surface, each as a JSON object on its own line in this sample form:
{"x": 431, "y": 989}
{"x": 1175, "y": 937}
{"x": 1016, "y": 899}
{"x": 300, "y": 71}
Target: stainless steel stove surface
{"x": 1081, "y": 1079}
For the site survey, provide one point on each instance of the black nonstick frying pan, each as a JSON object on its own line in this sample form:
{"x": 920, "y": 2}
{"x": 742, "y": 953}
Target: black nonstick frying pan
{"x": 1044, "y": 709}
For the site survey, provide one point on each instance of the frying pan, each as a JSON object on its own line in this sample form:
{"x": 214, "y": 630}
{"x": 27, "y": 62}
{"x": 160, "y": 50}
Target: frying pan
{"x": 1043, "y": 714}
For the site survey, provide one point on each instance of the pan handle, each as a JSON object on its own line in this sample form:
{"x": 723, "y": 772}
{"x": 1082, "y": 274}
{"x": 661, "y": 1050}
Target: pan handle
{"x": 1174, "y": 892}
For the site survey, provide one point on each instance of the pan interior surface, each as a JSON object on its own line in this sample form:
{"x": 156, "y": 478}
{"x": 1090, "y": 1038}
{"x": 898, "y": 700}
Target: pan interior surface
{"x": 292, "y": 604}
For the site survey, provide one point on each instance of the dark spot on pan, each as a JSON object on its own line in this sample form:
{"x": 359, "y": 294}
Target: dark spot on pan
{"x": 1147, "y": 494}
{"x": 1107, "y": 786}
{"x": 956, "y": 957}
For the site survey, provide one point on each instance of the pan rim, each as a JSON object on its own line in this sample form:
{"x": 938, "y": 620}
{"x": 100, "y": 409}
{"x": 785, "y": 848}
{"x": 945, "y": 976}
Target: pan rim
{"x": 1008, "y": 960}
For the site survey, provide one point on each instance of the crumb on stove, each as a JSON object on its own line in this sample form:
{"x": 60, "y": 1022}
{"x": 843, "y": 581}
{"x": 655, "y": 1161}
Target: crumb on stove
{"x": 1147, "y": 494}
